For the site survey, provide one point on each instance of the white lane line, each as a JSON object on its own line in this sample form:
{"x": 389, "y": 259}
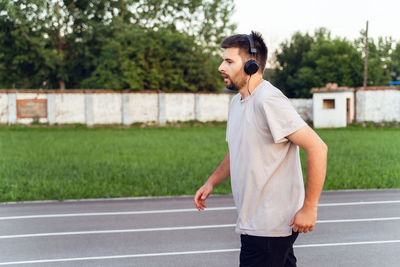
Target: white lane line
{"x": 124, "y": 256}
{"x": 176, "y": 211}
{"x": 347, "y": 244}
{"x": 191, "y": 252}
{"x": 358, "y": 203}
{"x": 111, "y": 213}
{"x": 178, "y": 228}
{"x": 359, "y": 220}
{"x": 122, "y": 231}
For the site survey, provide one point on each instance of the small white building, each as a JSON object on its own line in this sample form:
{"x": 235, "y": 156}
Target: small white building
{"x": 333, "y": 106}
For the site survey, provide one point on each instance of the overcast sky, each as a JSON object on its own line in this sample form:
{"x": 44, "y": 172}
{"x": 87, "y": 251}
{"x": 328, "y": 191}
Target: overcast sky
{"x": 277, "y": 20}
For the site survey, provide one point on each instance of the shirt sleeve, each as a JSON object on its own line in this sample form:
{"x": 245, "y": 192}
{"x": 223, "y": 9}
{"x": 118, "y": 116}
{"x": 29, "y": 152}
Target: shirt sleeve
{"x": 226, "y": 132}
{"x": 229, "y": 115}
{"x": 281, "y": 117}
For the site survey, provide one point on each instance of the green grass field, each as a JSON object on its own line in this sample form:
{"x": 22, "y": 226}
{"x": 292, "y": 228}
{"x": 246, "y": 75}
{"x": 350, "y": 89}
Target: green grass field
{"x": 39, "y": 163}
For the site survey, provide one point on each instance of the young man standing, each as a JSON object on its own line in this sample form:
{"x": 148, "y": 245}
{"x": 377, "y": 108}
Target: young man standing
{"x": 264, "y": 133}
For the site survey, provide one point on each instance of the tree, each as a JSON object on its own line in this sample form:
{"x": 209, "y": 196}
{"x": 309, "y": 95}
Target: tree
{"x": 42, "y": 37}
{"x": 379, "y": 59}
{"x": 208, "y": 21}
{"x": 289, "y": 60}
{"x": 336, "y": 60}
{"x": 56, "y": 44}
{"x": 313, "y": 61}
{"x": 395, "y": 63}
{"x": 22, "y": 62}
{"x": 165, "y": 60}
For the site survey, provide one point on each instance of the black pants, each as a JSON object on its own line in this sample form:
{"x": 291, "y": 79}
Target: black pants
{"x": 260, "y": 251}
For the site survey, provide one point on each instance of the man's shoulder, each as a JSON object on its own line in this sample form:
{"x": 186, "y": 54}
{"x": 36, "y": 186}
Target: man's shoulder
{"x": 269, "y": 92}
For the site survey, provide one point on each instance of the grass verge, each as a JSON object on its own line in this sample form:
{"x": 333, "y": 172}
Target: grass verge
{"x": 40, "y": 163}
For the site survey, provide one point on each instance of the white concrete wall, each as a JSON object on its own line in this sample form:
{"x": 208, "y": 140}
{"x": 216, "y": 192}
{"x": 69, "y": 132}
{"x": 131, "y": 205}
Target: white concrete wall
{"x": 212, "y": 107}
{"x": 93, "y": 107}
{"x": 179, "y": 107}
{"x": 69, "y": 108}
{"x": 378, "y": 105}
{"x": 127, "y": 108}
{"x": 107, "y": 108}
{"x": 4, "y": 108}
{"x": 337, "y": 117}
{"x": 142, "y": 108}
{"x": 304, "y": 107}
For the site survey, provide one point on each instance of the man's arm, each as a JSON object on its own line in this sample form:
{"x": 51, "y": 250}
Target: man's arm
{"x": 221, "y": 173}
{"x": 317, "y": 151}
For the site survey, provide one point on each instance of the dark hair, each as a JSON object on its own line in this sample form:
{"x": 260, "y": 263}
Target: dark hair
{"x": 241, "y": 41}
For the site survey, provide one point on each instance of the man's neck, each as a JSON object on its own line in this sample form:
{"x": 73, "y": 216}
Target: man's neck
{"x": 255, "y": 81}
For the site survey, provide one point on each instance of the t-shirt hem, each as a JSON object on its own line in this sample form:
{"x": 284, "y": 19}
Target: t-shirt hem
{"x": 263, "y": 233}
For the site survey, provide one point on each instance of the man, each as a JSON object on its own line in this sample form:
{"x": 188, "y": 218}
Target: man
{"x": 264, "y": 134}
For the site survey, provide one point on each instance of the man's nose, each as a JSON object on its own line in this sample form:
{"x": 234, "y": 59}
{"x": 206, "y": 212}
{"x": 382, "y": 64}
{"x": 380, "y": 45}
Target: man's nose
{"x": 221, "y": 67}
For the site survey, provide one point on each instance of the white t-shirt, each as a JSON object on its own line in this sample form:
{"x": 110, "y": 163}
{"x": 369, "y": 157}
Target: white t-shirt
{"x": 266, "y": 177}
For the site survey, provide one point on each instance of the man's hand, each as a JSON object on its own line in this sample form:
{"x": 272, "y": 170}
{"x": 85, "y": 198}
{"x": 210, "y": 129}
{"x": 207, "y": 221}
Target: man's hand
{"x": 201, "y": 196}
{"x": 220, "y": 174}
{"x": 304, "y": 220}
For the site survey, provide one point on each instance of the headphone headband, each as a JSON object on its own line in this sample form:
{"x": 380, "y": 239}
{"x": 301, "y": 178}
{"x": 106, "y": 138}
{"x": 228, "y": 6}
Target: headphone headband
{"x": 253, "y": 50}
{"x": 251, "y": 66}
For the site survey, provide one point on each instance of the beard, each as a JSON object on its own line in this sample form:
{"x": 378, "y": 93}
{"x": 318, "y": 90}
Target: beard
{"x": 236, "y": 84}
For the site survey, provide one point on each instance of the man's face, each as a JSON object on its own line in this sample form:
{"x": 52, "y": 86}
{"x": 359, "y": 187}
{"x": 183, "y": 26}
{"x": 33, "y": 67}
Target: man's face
{"x": 232, "y": 70}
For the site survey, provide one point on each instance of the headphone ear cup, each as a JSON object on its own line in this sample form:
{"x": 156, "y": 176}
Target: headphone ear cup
{"x": 251, "y": 67}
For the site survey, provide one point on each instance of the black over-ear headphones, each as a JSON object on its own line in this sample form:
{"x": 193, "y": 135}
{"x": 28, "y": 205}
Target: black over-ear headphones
{"x": 251, "y": 66}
